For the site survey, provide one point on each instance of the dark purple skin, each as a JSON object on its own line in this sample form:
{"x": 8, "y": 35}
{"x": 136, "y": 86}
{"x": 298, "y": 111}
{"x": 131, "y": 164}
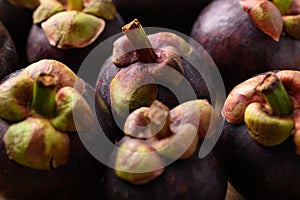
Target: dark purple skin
{"x": 74, "y": 180}
{"x": 39, "y": 48}
{"x": 8, "y": 53}
{"x": 176, "y": 15}
{"x": 259, "y": 172}
{"x": 193, "y": 179}
{"x": 109, "y": 70}
{"x": 18, "y": 21}
{"x": 239, "y": 49}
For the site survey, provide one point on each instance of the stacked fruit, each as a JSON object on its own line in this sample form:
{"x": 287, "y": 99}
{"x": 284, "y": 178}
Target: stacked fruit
{"x": 151, "y": 112}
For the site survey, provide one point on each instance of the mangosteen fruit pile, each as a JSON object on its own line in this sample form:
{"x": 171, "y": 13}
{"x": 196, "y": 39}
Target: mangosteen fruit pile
{"x": 247, "y": 37}
{"x": 260, "y": 144}
{"x": 158, "y": 156}
{"x": 143, "y": 68}
{"x": 41, "y": 153}
{"x": 68, "y": 30}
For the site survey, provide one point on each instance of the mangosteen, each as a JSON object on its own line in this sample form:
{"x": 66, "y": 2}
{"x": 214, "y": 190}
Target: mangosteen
{"x": 41, "y": 152}
{"x": 248, "y": 37}
{"x": 176, "y": 15}
{"x": 158, "y": 157}
{"x": 16, "y": 15}
{"x": 259, "y": 144}
{"x": 8, "y": 53}
{"x": 144, "y": 67}
{"x": 68, "y": 30}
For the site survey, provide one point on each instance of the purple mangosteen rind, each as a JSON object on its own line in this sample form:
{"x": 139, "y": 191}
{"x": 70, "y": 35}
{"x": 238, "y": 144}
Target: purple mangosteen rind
{"x": 16, "y": 15}
{"x": 8, "y": 53}
{"x": 28, "y": 4}
{"x": 256, "y": 171}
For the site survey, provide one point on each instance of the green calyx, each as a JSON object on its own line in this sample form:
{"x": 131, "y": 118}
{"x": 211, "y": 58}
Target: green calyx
{"x": 30, "y": 4}
{"x": 14, "y": 98}
{"x": 46, "y": 10}
{"x": 273, "y": 17}
{"x": 35, "y": 143}
{"x": 144, "y": 62}
{"x": 73, "y": 23}
{"x": 147, "y": 122}
{"x": 270, "y": 124}
{"x": 72, "y": 29}
{"x": 69, "y": 102}
{"x": 137, "y": 163}
{"x": 181, "y": 145}
{"x": 292, "y": 25}
{"x": 40, "y": 110}
{"x": 154, "y": 133}
{"x": 266, "y": 129}
{"x": 282, "y": 5}
{"x": 104, "y": 9}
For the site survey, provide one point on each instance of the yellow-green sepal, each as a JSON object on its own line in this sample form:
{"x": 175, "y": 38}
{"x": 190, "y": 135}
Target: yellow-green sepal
{"x": 35, "y": 143}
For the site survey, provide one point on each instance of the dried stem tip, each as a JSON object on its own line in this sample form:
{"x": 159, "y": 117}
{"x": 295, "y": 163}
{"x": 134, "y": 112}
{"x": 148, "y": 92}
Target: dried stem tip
{"x": 275, "y": 95}
{"x": 137, "y": 36}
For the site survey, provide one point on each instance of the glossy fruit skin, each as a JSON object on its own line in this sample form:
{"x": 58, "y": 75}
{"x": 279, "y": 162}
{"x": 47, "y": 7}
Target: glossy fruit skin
{"x": 109, "y": 71}
{"x": 175, "y": 15}
{"x": 8, "y": 53}
{"x": 72, "y": 181}
{"x": 237, "y": 47}
{"x": 193, "y": 179}
{"x": 259, "y": 172}
{"x": 39, "y": 48}
{"x": 18, "y": 21}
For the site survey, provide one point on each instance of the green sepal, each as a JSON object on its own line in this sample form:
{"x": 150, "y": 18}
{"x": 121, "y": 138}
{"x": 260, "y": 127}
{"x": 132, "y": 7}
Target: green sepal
{"x": 35, "y": 143}
{"x": 15, "y": 98}
{"x": 104, "y": 9}
{"x": 292, "y": 25}
{"x": 132, "y": 88}
{"x": 282, "y": 5}
{"x": 267, "y": 130}
{"x": 137, "y": 163}
{"x": 72, "y": 29}
{"x": 69, "y": 103}
{"x": 46, "y": 9}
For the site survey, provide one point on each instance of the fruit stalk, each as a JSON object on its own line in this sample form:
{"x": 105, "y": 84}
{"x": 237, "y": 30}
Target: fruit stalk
{"x": 75, "y": 5}
{"x": 44, "y": 93}
{"x": 275, "y": 95}
{"x": 137, "y": 36}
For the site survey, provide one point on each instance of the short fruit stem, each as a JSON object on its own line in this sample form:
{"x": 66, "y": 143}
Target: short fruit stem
{"x": 44, "y": 93}
{"x": 137, "y": 36}
{"x": 275, "y": 95}
{"x": 75, "y": 5}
